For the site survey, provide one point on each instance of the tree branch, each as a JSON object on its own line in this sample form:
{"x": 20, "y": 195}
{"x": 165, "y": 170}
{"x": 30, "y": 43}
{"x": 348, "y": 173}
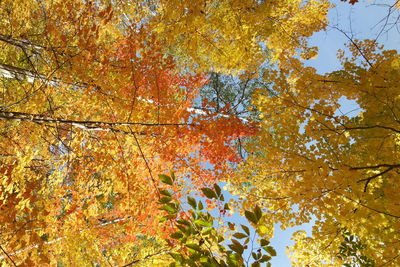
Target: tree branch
{"x": 145, "y": 258}
{"x": 8, "y": 256}
{"x": 87, "y": 125}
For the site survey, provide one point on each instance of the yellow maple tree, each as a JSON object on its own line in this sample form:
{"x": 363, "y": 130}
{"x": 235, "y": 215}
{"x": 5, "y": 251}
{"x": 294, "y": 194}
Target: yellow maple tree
{"x": 228, "y": 36}
{"x": 312, "y": 162}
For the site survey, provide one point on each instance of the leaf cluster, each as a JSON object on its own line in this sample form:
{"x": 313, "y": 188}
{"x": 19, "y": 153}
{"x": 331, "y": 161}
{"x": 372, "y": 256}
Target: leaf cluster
{"x": 201, "y": 243}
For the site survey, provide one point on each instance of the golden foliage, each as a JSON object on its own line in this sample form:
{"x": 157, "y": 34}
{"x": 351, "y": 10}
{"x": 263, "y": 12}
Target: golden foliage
{"x": 313, "y": 161}
{"x": 228, "y": 36}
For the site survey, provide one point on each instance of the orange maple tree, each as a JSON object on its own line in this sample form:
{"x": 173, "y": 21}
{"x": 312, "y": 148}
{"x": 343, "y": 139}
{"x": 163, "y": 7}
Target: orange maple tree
{"x": 90, "y": 113}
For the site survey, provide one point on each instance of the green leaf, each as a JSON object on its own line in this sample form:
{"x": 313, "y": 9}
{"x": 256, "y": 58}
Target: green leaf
{"x": 201, "y": 205}
{"x": 265, "y": 258}
{"x": 167, "y": 208}
{"x": 164, "y": 200}
{"x": 239, "y": 235}
{"x": 207, "y": 231}
{"x": 255, "y": 264}
{"x": 217, "y": 189}
{"x": 236, "y": 246}
{"x": 176, "y": 256}
{"x": 246, "y": 229}
{"x": 190, "y": 263}
{"x": 195, "y": 256}
{"x": 165, "y": 179}
{"x": 257, "y": 212}
{"x": 251, "y": 216}
{"x": 194, "y": 246}
{"x": 176, "y": 235}
{"x": 254, "y": 255}
{"x": 184, "y": 240}
{"x": 226, "y": 206}
{"x": 192, "y": 202}
{"x": 264, "y": 242}
{"x": 232, "y": 260}
{"x": 270, "y": 250}
{"x": 184, "y": 222}
{"x": 203, "y": 223}
{"x": 231, "y": 226}
{"x": 209, "y": 193}
{"x": 191, "y": 231}
{"x": 165, "y": 192}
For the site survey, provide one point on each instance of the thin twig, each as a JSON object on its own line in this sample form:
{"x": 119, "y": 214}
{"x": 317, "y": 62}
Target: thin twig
{"x": 8, "y": 256}
{"x": 147, "y": 164}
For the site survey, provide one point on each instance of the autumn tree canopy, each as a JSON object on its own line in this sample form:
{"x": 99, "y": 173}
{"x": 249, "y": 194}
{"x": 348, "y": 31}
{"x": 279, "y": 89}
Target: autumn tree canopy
{"x": 91, "y": 112}
{"x": 119, "y": 119}
{"x": 339, "y": 169}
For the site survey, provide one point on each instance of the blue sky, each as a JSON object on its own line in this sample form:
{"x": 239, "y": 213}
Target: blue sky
{"x": 364, "y": 20}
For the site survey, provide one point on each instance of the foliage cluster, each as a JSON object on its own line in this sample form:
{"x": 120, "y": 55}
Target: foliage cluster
{"x": 98, "y": 97}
